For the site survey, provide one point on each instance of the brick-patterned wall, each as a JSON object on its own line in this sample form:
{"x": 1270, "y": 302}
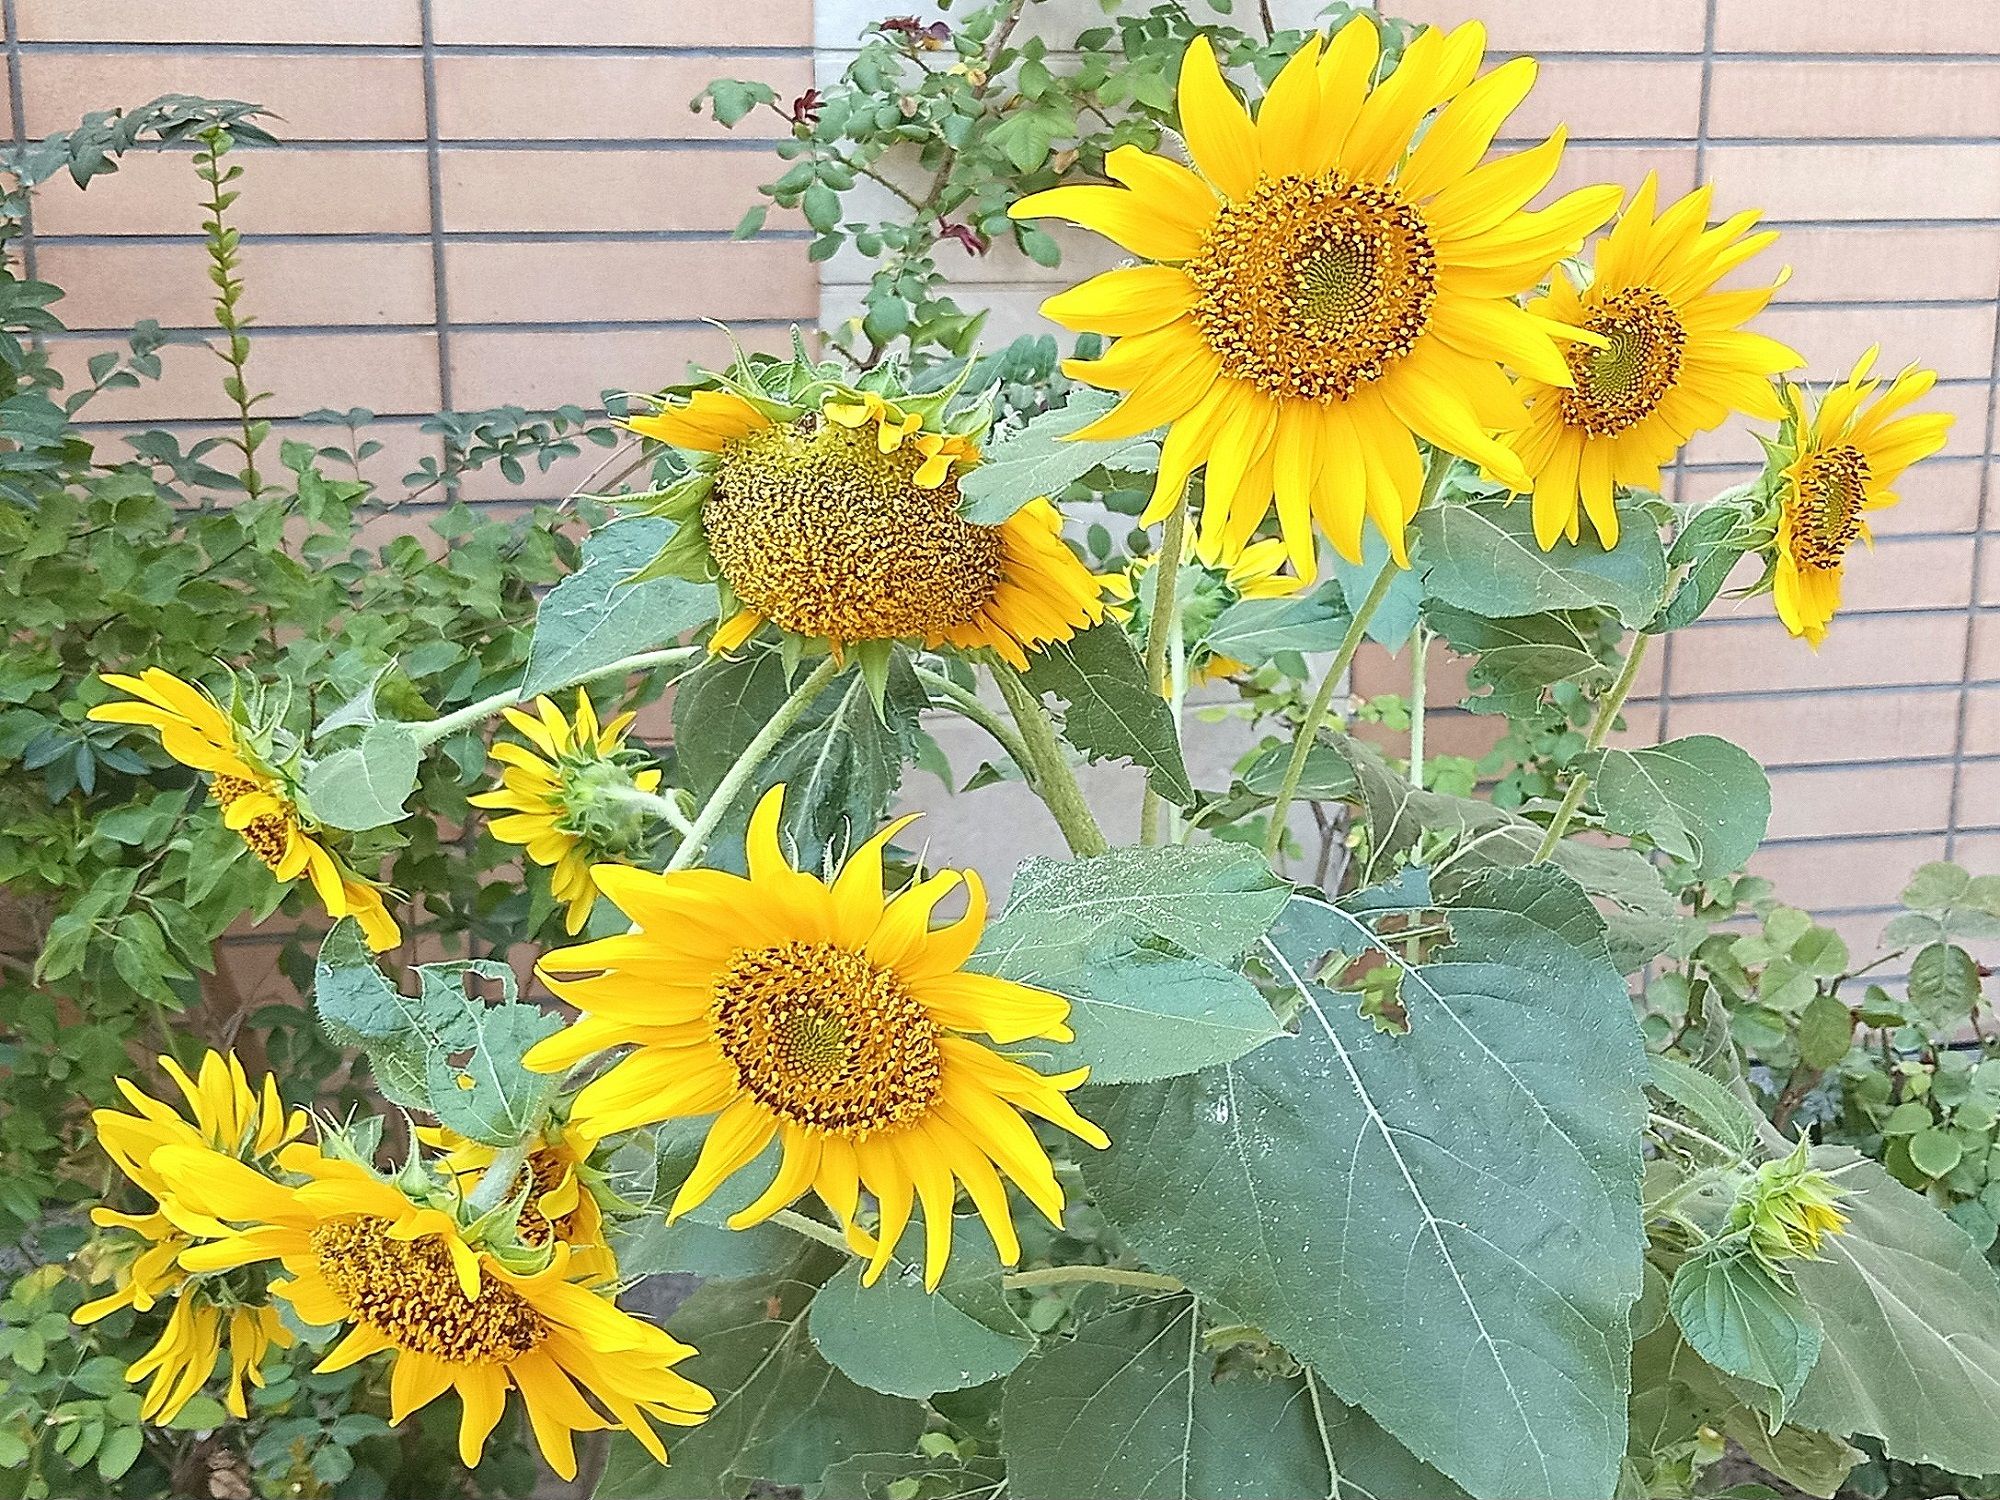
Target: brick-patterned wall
{"x": 507, "y": 200}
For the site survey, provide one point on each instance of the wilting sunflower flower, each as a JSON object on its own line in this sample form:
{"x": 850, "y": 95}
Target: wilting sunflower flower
{"x": 1786, "y": 1209}
{"x": 561, "y": 1192}
{"x": 833, "y": 513}
{"x": 1321, "y": 294}
{"x": 224, "y": 1115}
{"x": 458, "y": 1312}
{"x": 1832, "y": 464}
{"x": 256, "y": 801}
{"x": 561, "y": 792}
{"x": 1675, "y": 360}
{"x": 825, "y": 1019}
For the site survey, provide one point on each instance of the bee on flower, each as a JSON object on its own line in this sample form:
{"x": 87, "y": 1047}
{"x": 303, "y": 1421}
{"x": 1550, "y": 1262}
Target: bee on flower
{"x": 832, "y": 512}
{"x": 225, "y": 1117}
{"x": 561, "y": 793}
{"x": 1836, "y": 460}
{"x": 256, "y": 795}
{"x": 480, "y": 1308}
{"x": 821, "y": 1016}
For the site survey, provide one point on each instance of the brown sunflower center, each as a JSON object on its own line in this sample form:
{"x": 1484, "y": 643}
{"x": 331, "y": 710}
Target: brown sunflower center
{"x": 267, "y": 836}
{"x": 826, "y": 1039}
{"x": 818, "y": 529}
{"x": 1313, "y": 286}
{"x": 542, "y": 1174}
{"x": 1623, "y": 382}
{"x": 1825, "y": 515}
{"x": 408, "y": 1291}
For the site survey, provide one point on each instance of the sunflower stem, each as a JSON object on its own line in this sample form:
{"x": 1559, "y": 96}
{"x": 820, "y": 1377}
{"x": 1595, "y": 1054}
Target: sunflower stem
{"x": 1150, "y": 1281}
{"x": 968, "y": 704}
{"x": 432, "y": 730}
{"x": 1420, "y": 657}
{"x": 812, "y": 1229}
{"x": 1163, "y": 629}
{"x": 1048, "y": 768}
{"x": 1600, "y": 730}
{"x": 1322, "y": 705}
{"x": 496, "y": 1184}
{"x": 664, "y": 808}
{"x": 754, "y": 755}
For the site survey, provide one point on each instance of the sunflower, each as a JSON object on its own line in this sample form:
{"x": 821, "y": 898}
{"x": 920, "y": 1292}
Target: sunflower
{"x": 223, "y": 1115}
{"x": 1318, "y": 294}
{"x": 555, "y": 788}
{"x": 1834, "y": 463}
{"x": 830, "y": 1021}
{"x": 834, "y": 514}
{"x": 457, "y": 1312}
{"x": 561, "y": 1202}
{"x": 256, "y": 802}
{"x": 1676, "y": 360}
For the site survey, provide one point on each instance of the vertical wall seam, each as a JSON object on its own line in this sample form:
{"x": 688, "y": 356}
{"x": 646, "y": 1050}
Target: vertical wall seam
{"x": 1983, "y": 520}
{"x": 18, "y": 109}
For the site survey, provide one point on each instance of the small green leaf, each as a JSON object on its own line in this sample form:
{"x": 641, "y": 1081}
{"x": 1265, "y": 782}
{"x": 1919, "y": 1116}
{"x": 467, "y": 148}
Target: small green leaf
{"x": 1039, "y": 462}
{"x": 1700, "y": 799}
{"x": 1745, "y": 1322}
{"x": 1826, "y": 1031}
{"x": 1108, "y": 709}
{"x": 898, "y": 1338}
{"x": 366, "y": 785}
{"x": 1944, "y": 986}
{"x": 597, "y": 615}
{"x": 1255, "y": 630}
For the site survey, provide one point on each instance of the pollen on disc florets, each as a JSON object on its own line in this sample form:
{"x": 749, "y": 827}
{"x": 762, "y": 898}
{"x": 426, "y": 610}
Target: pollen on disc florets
{"x": 1313, "y": 286}
{"x": 542, "y": 1173}
{"x": 267, "y": 836}
{"x": 1620, "y": 384}
{"x": 818, "y": 529}
{"x": 409, "y": 1291}
{"x": 1825, "y": 516}
{"x": 826, "y": 1039}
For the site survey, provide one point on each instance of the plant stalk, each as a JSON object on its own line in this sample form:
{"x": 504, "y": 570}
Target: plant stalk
{"x": 968, "y": 703}
{"x": 1048, "y": 768}
{"x": 754, "y": 754}
{"x": 1420, "y": 656}
{"x": 432, "y": 730}
{"x": 663, "y": 808}
{"x": 1600, "y": 730}
{"x": 1104, "y": 1275}
{"x": 496, "y": 1183}
{"x": 1163, "y": 631}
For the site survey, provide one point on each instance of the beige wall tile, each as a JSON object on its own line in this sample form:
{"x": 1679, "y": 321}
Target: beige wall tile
{"x": 318, "y": 97}
{"x": 1571, "y": 25}
{"x": 301, "y": 192}
{"x": 1826, "y": 727}
{"x": 1979, "y": 794}
{"x": 1912, "y": 799}
{"x": 1911, "y": 575}
{"x": 391, "y": 373}
{"x": 114, "y": 286}
{"x": 1884, "y": 650}
{"x": 1936, "y": 497}
{"x": 1989, "y": 570}
{"x": 381, "y": 22}
{"x": 642, "y": 23}
{"x": 1954, "y": 341}
{"x": 1611, "y": 97}
{"x": 597, "y": 281}
{"x": 1982, "y": 725}
{"x": 538, "y": 97}
{"x": 691, "y": 188}
{"x": 1979, "y": 852}
{"x": 1842, "y": 99}
{"x": 1985, "y": 663}
{"x": 547, "y": 369}
{"x": 1823, "y": 875}
{"x": 1861, "y": 182}
{"x": 1857, "y": 26}
{"x": 1586, "y": 166}
{"x": 1860, "y": 262}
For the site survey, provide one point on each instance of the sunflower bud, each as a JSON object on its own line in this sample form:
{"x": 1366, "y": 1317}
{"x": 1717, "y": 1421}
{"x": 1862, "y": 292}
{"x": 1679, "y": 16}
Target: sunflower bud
{"x": 1787, "y": 1209}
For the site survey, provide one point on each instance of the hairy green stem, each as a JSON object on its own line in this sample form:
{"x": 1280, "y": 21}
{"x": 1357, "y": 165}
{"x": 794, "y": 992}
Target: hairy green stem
{"x": 496, "y": 1183}
{"x": 1420, "y": 656}
{"x": 1163, "y": 629}
{"x": 812, "y": 1229}
{"x": 1049, "y": 773}
{"x": 1104, "y": 1275}
{"x": 754, "y": 754}
{"x": 664, "y": 808}
{"x": 969, "y": 704}
{"x": 1322, "y": 704}
{"x": 1600, "y": 730}
{"x": 432, "y": 730}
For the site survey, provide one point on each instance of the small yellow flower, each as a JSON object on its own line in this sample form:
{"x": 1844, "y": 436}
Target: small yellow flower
{"x": 223, "y": 1115}
{"x": 826, "y": 1019}
{"x": 1226, "y": 575}
{"x": 1836, "y": 462}
{"x": 255, "y": 801}
{"x": 1786, "y": 1210}
{"x": 457, "y": 1314}
{"x": 561, "y": 1202}
{"x": 560, "y": 793}
{"x": 1671, "y": 359}
{"x": 838, "y": 520}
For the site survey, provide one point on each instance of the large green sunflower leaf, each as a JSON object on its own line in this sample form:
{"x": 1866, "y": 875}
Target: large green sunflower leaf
{"x": 1040, "y": 462}
{"x": 898, "y": 1338}
{"x": 598, "y": 615}
{"x": 1699, "y": 799}
{"x": 1444, "y": 1223}
{"x": 1481, "y": 555}
{"x": 1134, "y": 1407}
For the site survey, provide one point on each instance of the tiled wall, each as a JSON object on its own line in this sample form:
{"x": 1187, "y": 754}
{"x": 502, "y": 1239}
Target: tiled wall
{"x": 508, "y": 200}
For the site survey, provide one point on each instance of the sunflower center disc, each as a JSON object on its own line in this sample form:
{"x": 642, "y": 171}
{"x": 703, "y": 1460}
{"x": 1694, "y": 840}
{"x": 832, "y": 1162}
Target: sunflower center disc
{"x": 1313, "y": 286}
{"x": 818, "y": 529}
{"x": 824, "y": 1038}
{"x": 267, "y": 836}
{"x": 1620, "y": 385}
{"x": 408, "y": 1291}
{"x": 1832, "y": 486}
